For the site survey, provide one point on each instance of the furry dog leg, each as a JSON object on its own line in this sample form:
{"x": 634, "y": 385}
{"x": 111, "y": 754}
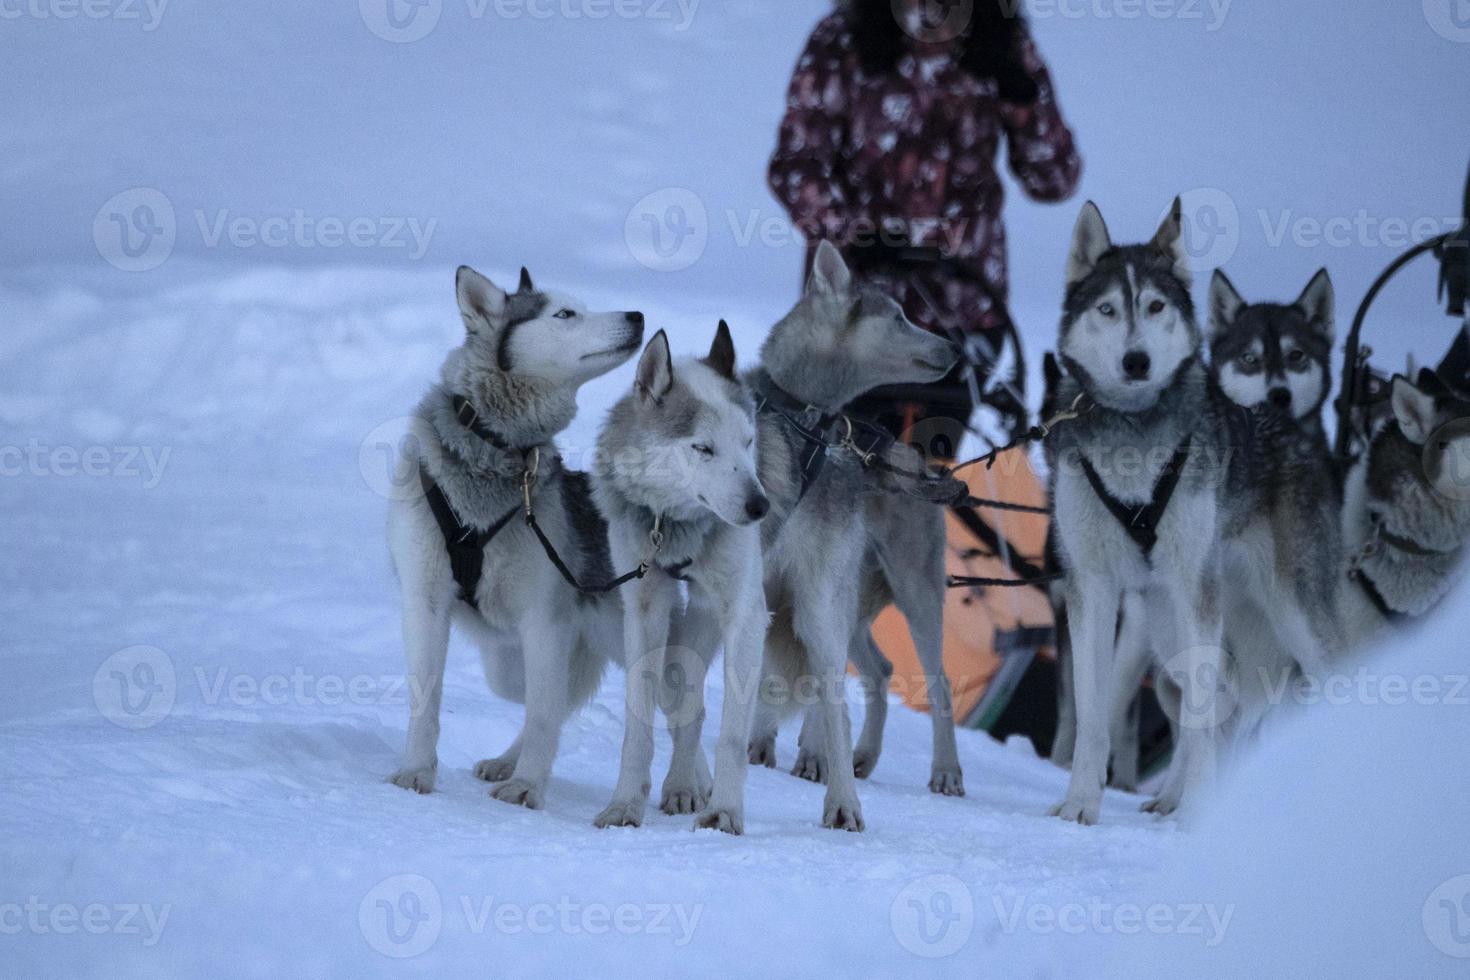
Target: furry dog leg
{"x": 1131, "y": 666}
{"x": 426, "y": 638}
{"x": 744, "y": 632}
{"x": 548, "y": 649}
{"x": 694, "y": 639}
{"x": 1092, "y": 617}
{"x": 824, "y": 625}
{"x": 873, "y": 670}
{"x": 649, "y": 604}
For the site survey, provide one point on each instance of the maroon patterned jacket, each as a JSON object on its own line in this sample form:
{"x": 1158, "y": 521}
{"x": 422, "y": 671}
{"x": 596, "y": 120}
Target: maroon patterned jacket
{"x": 913, "y": 151}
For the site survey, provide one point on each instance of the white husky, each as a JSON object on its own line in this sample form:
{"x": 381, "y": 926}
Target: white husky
{"x": 677, "y": 480}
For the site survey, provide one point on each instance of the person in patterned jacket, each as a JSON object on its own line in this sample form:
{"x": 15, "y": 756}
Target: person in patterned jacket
{"x": 894, "y": 120}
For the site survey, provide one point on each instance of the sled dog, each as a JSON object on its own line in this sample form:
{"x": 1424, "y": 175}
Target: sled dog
{"x": 1407, "y": 512}
{"x": 464, "y": 554}
{"x": 1141, "y": 500}
{"x": 678, "y": 479}
{"x": 843, "y": 338}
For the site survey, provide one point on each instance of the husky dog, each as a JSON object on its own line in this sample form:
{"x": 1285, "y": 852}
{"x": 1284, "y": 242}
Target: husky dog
{"x": 1407, "y": 512}
{"x": 485, "y": 447}
{"x": 843, "y": 338}
{"x": 1272, "y": 361}
{"x": 677, "y": 478}
{"x": 1141, "y": 497}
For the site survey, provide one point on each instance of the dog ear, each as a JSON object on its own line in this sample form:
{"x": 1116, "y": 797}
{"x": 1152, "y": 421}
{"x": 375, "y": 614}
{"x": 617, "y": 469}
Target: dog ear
{"x": 722, "y": 352}
{"x": 1225, "y": 303}
{"x": 1318, "y": 304}
{"x": 655, "y": 371}
{"x": 1413, "y": 409}
{"x": 526, "y": 285}
{"x": 829, "y": 271}
{"x": 1090, "y": 240}
{"x": 1169, "y": 240}
{"x": 480, "y": 300}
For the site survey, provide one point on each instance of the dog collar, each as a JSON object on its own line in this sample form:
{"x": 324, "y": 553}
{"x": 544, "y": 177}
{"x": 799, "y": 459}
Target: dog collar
{"x": 469, "y": 417}
{"x": 771, "y": 397}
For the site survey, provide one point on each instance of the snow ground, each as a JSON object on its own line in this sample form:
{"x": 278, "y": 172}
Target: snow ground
{"x": 194, "y": 458}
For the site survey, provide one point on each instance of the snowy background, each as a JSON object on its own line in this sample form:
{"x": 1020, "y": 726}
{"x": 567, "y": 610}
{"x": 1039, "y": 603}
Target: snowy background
{"x": 231, "y": 233}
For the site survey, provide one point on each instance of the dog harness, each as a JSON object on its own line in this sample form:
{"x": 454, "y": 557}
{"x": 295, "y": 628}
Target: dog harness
{"x": 1370, "y": 588}
{"x": 1141, "y": 522}
{"x": 868, "y": 440}
{"x": 465, "y": 543}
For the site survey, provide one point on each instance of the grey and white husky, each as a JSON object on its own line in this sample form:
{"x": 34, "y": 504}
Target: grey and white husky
{"x": 1406, "y": 517}
{"x": 843, "y": 338}
{"x": 485, "y": 442}
{"x": 677, "y": 478}
{"x": 1141, "y": 500}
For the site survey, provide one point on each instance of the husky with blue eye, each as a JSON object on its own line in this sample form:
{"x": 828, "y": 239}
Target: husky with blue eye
{"x": 462, "y": 552}
{"x": 1141, "y": 494}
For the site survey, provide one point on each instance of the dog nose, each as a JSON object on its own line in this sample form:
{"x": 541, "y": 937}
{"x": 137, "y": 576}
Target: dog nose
{"x": 1135, "y": 365}
{"x": 1280, "y": 398}
{"x": 757, "y": 507}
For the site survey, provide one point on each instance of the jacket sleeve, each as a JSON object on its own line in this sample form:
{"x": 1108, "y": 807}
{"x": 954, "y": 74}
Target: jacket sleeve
{"x": 1042, "y": 153}
{"x": 804, "y": 173}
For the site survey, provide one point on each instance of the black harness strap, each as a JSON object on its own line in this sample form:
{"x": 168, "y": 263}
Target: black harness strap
{"x": 812, "y": 460}
{"x": 1142, "y": 522}
{"x": 566, "y": 573}
{"x": 466, "y": 545}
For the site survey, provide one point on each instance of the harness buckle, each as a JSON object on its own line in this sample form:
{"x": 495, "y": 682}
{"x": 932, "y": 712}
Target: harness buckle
{"x": 849, "y": 442}
{"x": 528, "y": 478}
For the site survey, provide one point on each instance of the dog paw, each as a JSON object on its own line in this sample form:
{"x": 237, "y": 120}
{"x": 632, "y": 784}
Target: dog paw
{"x": 947, "y": 782}
{"x": 1162, "y": 806}
{"x": 840, "y": 815}
{"x": 864, "y": 761}
{"x": 495, "y": 770}
{"x": 810, "y": 766}
{"x": 620, "y": 813}
{"x": 762, "y": 752}
{"x": 519, "y": 792}
{"x": 682, "y": 799}
{"x": 419, "y": 780}
{"x": 730, "y": 821}
{"x": 1079, "y": 813}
